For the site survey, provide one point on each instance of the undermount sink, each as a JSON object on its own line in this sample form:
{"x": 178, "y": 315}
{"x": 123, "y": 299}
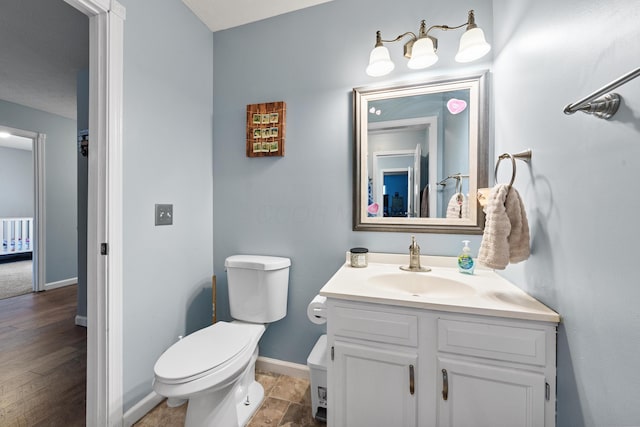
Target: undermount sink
{"x": 421, "y": 285}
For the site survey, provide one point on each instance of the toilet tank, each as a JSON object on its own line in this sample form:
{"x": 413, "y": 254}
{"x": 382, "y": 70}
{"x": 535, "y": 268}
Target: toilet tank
{"x": 258, "y": 287}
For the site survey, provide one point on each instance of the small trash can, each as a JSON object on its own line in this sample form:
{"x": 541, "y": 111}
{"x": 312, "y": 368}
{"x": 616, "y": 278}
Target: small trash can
{"x": 317, "y": 363}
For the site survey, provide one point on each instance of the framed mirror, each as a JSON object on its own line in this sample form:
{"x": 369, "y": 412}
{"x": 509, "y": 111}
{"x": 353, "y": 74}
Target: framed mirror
{"x": 420, "y": 156}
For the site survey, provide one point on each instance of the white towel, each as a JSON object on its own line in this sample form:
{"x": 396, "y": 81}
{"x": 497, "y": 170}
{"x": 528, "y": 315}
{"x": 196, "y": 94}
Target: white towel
{"x": 506, "y": 230}
{"x": 458, "y": 206}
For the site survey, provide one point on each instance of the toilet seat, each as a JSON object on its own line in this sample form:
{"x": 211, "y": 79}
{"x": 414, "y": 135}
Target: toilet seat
{"x": 203, "y": 352}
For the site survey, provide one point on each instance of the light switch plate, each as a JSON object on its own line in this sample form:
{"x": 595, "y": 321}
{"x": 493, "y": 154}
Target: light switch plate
{"x": 164, "y": 214}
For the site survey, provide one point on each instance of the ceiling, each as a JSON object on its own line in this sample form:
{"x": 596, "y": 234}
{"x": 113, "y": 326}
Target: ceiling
{"x": 222, "y": 14}
{"x": 44, "y": 43}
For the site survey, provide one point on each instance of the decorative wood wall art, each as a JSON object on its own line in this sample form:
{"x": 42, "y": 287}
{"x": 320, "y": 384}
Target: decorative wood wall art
{"x": 266, "y": 125}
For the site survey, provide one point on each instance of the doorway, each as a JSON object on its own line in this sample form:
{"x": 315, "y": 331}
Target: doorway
{"x": 104, "y": 275}
{"x": 22, "y": 254}
{"x": 410, "y": 144}
{"x": 396, "y": 186}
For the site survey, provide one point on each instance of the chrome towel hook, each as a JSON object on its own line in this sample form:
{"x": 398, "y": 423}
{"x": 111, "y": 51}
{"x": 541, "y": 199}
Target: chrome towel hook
{"x": 523, "y": 155}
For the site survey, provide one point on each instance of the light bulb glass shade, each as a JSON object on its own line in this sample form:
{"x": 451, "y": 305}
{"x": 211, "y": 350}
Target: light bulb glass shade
{"x": 380, "y": 62}
{"x": 472, "y": 46}
{"x": 423, "y": 54}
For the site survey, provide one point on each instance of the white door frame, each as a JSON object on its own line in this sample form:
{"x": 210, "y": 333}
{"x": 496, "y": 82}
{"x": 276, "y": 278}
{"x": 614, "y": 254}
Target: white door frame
{"x": 39, "y": 213}
{"x": 104, "y": 211}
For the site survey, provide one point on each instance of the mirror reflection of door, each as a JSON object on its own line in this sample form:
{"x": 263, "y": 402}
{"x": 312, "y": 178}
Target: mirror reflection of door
{"x": 406, "y": 144}
{"x": 397, "y": 171}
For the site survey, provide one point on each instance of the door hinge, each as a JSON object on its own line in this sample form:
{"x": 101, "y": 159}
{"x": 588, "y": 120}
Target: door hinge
{"x": 547, "y": 391}
{"x": 104, "y": 249}
{"x": 331, "y": 352}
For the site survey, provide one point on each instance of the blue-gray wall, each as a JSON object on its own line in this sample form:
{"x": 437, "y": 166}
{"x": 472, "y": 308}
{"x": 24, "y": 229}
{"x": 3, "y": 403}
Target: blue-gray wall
{"x": 60, "y": 183}
{"x": 300, "y": 205}
{"x": 168, "y": 63}
{"x": 16, "y": 183}
{"x": 579, "y": 191}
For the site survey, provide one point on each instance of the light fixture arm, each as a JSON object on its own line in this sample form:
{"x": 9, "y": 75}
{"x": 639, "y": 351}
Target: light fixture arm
{"x": 445, "y": 27}
{"x": 379, "y": 39}
{"x": 471, "y": 23}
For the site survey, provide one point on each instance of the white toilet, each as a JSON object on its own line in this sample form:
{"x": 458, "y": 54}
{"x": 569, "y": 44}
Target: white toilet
{"x": 214, "y": 368}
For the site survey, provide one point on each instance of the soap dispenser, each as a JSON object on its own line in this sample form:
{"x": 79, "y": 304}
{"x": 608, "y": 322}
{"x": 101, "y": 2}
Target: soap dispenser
{"x": 465, "y": 261}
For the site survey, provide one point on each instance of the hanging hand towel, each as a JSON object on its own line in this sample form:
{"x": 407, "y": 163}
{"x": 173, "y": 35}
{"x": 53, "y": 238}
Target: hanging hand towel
{"x": 506, "y": 229}
{"x": 458, "y": 206}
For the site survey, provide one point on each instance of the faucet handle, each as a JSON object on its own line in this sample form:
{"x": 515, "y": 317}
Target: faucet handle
{"x": 414, "y": 248}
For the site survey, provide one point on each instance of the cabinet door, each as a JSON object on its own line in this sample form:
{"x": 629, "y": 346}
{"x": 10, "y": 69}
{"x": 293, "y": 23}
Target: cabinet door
{"x": 373, "y": 386}
{"x": 478, "y": 395}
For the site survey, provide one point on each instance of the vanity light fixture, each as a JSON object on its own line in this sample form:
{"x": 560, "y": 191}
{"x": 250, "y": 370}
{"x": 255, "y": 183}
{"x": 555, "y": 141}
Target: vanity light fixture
{"x": 421, "y": 49}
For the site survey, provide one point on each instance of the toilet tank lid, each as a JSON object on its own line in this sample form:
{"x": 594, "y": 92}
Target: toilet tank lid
{"x": 257, "y": 262}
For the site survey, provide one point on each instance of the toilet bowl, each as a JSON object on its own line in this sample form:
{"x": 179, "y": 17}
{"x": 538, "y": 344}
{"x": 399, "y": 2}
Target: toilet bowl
{"x": 208, "y": 366}
{"x": 214, "y": 368}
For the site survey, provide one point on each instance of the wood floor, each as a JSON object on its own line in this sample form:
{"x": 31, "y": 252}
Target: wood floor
{"x": 43, "y": 371}
{"x": 42, "y": 360}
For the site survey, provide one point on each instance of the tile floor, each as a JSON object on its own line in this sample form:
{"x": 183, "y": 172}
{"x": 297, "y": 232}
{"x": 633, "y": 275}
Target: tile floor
{"x": 287, "y": 403}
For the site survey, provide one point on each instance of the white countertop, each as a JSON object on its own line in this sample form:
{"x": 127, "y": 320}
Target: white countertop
{"x": 484, "y": 292}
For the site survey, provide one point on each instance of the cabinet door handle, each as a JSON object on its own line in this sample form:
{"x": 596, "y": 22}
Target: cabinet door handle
{"x": 412, "y": 386}
{"x": 445, "y": 385}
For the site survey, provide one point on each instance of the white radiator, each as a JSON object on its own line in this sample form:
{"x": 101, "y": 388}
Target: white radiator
{"x": 16, "y": 235}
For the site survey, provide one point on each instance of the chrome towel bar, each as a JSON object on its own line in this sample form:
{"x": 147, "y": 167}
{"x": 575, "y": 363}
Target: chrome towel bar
{"x": 601, "y": 103}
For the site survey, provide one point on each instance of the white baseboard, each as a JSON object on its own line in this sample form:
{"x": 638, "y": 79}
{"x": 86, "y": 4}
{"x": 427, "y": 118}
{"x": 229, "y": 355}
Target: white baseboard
{"x": 81, "y": 320}
{"x": 140, "y": 409}
{"x": 60, "y": 283}
{"x": 282, "y": 367}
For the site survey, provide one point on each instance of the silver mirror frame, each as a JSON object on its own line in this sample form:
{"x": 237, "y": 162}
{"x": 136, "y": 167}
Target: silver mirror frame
{"x": 478, "y": 132}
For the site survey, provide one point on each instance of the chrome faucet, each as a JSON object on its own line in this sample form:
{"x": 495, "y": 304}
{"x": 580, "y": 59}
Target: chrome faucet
{"x": 414, "y": 258}
{"x": 414, "y": 254}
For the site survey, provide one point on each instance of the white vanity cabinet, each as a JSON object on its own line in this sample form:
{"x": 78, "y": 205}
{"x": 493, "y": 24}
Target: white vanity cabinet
{"x": 373, "y": 386}
{"x": 373, "y": 367}
{"x": 495, "y": 372}
{"x": 405, "y": 366}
